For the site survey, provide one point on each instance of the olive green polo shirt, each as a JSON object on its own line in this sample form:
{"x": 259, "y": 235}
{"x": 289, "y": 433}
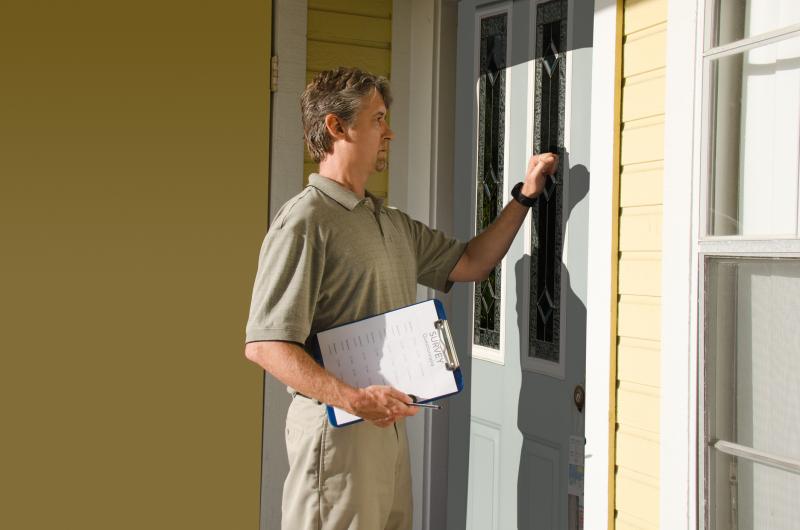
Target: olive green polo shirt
{"x": 331, "y": 257}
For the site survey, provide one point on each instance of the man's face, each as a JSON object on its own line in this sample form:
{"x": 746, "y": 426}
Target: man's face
{"x": 370, "y": 134}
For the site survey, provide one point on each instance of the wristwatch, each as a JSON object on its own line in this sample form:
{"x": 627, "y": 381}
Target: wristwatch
{"x": 520, "y": 198}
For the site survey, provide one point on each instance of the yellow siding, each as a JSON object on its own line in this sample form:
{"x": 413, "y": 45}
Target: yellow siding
{"x": 642, "y": 14}
{"x": 644, "y": 95}
{"x": 639, "y": 267}
{"x": 370, "y": 8}
{"x": 350, "y": 33}
{"x": 636, "y": 273}
{"x": 641, "y": 184}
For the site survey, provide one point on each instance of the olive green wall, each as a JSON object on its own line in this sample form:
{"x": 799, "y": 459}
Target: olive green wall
{"x": 133, "y": 200}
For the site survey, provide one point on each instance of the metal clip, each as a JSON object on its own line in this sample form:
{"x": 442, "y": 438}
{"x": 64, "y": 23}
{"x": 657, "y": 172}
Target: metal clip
{"x": 449, "y": 346}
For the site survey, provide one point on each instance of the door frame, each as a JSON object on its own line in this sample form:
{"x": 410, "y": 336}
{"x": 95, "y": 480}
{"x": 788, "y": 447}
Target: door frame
{"x": 421, "y": 184}
{"x": 286, "y": 169}
{"x": 600, "y": 324}
{"x": 680, "y": 432}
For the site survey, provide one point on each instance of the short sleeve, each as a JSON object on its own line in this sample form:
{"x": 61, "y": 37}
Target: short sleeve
{"x": 286, "y": 288}
{"x": 437, "y": 255}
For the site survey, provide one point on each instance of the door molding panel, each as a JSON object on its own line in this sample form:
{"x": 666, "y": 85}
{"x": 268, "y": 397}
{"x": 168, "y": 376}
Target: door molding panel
{"x": 484, "y": 490}
{"x": 539, "y": 460}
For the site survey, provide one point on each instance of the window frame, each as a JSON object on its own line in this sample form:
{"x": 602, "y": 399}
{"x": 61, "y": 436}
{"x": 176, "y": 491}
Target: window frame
{"x": 736, "y": 250}
{"x": 684, "y": 492}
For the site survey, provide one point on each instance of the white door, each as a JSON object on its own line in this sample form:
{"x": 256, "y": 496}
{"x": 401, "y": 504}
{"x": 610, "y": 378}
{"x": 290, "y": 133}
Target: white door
{"x": 524, "y": 77}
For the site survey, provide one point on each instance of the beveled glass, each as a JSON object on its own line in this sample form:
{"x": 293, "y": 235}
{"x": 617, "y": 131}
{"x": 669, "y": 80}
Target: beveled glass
{"x": 546, "y": 218}
{"x": 490, "y": 196}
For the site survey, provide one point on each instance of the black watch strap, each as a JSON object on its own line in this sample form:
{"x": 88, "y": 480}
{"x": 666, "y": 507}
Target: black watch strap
{"x": 524, "y": 200}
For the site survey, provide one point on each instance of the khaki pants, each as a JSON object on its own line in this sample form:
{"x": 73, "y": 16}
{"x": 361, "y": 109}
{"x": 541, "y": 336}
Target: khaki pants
{"x": 354, "y": 478}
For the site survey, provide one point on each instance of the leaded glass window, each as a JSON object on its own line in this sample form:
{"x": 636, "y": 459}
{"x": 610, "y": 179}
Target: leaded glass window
{"x": 546, "y": 218}
{"x": 489, "y": 196}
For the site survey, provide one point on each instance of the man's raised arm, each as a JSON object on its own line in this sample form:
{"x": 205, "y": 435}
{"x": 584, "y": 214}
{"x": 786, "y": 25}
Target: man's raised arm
{"x": 485, "y": 250}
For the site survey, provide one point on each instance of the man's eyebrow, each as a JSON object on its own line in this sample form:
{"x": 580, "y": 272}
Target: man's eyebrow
{"x": 380, "y": 113}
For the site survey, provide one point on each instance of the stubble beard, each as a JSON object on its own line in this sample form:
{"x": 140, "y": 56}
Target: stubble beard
{"x": 380, "y": 163}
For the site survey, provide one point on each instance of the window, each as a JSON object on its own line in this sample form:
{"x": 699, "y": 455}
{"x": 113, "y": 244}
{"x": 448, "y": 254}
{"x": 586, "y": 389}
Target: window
{"x": 490, "y": 175}
{"x": 748, "y": 251}
{"x": 753, "y": 380}
{"x": 546, "y": 217}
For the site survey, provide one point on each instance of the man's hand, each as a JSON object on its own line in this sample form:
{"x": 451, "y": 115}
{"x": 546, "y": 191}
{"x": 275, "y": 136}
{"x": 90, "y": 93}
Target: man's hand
{"x": 539, "y": 167}
{"x": 290, "y": 364}
{"x": 382, "y": 405}
{"x": 486, "y": 249}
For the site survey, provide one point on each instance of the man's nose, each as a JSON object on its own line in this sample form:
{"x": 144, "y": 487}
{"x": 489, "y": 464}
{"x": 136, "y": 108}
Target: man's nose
{"x": 389, "y": 133}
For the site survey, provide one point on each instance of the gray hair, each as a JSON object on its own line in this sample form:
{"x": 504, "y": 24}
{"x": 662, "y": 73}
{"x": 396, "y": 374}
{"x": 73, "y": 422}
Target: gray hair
{"x": 339, "y": 92}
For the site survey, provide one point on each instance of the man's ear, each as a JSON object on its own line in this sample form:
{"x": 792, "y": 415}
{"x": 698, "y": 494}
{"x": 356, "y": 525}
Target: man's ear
{"x": 334, "y": 126}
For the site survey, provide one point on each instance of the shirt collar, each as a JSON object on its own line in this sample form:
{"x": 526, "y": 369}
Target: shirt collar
{"x": 340, "y": 194}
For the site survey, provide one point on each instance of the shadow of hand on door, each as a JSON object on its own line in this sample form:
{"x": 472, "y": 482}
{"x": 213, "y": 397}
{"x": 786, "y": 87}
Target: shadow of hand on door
{"x": 546, "y": 415}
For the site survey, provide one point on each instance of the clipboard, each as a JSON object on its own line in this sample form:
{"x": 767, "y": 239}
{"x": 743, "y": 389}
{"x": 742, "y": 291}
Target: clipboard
{"x": 410, "y": 348}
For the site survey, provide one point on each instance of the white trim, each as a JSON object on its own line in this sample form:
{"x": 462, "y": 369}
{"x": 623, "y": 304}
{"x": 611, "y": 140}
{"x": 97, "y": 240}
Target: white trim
{"x": 733, "y": 247}
{"x": 524, "y": 334}
{"x": 417, "y": 171}
{"x": 598, "y": 303}
{"x": 678, "y": 422}
{"x": 408, "y": 191}
{"x": 399, "y": 117}
{"x": 286, "y": 166}
{"x": 755, "y": 41}
{"x": 481, "y": 352}
{"x": 286, "y": 180}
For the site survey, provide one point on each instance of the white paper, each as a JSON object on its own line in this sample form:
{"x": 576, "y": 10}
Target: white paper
{"x": 401, "y": 348}
{"x": 576, "y": 459}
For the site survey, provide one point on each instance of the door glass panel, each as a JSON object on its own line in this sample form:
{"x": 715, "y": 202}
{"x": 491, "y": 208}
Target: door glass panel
{"x": 546, "y": 215}
{"x": 753, "y": 353}
{"x": 739, "y": 19}
{"x": 755, "y": 138}
{"x": 490, "y": 195}
{"x": 750, "y": 496}
{"x": 752, "y": 372}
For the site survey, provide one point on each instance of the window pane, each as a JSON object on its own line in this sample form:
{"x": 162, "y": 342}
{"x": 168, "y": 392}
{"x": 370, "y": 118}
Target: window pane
{"x": 546, "y": 221}
{"x": 751, "y": 496}
{"x": 739, "y": 19}
{"x": 755, "y": 136}
{"x": 491, "y": 134}
{"x": 753, "y": 354}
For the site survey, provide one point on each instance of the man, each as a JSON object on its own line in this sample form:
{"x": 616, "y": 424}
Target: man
{"x": 334, "y": 254}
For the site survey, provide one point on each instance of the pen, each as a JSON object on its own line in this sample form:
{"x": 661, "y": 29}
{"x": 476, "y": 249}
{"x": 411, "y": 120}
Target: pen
{"x": 425, "y": 405}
